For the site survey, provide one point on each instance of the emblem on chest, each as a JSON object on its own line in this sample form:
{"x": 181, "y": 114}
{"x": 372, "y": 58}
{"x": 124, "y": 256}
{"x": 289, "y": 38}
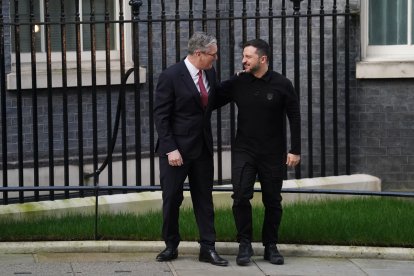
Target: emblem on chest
{"x": 269, "y": 96}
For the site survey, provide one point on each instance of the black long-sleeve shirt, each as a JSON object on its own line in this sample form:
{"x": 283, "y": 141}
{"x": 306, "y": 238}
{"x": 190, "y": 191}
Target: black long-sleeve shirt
{"x": 262, "y": 104}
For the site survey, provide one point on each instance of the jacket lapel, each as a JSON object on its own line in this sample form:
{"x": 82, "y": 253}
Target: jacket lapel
{"x": 188, "y": 81}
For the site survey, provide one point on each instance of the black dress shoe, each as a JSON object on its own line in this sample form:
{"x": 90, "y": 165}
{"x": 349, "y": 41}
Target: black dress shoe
{"x": 245, "y": 253}
{"x": 212, "y": 257}
{"x": 272, "y": 255}
{"x": 168, "y": 254}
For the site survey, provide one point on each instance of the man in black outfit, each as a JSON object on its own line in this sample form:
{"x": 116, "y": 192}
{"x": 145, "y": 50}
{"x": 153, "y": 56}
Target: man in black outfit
{"x": 184, "y": 100}
{"x": 263, "y": 98}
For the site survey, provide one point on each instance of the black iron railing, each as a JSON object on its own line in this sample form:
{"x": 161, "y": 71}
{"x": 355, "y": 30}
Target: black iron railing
{"x": 93, "y": 129}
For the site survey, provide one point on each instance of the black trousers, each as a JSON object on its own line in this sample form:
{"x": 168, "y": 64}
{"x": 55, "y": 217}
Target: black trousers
{"x": 245, "y": 167}
{"x": 200, "y": 172}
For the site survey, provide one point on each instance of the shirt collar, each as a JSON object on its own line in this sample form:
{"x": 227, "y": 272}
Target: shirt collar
{"x": 266, "y": 77}
{"x": 191, "y": 68}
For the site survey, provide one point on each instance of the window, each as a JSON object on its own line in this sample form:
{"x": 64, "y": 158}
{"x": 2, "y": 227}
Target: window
{"x": 55, "y": 11}
{"x": 387, "y": 38}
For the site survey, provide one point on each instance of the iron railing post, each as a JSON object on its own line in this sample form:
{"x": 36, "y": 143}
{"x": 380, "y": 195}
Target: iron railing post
{"x": 347, "y": 96}
{"x": 296, "y": 13}
{"x": 3, "y": 106}
{"x": 135, "y": 5}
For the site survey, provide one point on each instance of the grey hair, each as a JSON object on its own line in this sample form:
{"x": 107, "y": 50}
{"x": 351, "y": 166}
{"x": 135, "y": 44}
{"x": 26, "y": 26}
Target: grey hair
{"x": 200, "y": 41}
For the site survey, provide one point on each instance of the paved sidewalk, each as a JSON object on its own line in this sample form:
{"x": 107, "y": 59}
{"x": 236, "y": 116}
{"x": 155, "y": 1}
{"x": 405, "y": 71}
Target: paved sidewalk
{"x": 138, "y": 258}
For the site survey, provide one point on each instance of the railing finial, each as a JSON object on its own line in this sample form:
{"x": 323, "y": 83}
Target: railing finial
{"x": 135, "y": 4}
{"x": 296, "y": 4}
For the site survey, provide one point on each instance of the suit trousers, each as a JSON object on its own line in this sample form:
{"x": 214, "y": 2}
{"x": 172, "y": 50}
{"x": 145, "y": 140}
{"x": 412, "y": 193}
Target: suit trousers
{"x": 200, "y": 172}
{"x": 246, "y": 166}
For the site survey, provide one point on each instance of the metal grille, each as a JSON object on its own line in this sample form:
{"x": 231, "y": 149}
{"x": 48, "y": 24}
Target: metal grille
{"x": 78, "y": 77}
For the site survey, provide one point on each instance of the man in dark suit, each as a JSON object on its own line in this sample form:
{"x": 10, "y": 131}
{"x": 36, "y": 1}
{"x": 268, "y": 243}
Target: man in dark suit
{"x": 184, "y": 99}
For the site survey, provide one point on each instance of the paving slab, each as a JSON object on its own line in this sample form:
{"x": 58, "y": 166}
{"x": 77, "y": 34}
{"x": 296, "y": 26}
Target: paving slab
{"x": 121, "y": 268}
{"x": 6, "y": 259}
{"x": 114, "y": 258}
{"x": 311, "y": 266}
{"x": 189, "y": 266}
{"x": 385, "y": 267}
{"x": 36, "y": 269}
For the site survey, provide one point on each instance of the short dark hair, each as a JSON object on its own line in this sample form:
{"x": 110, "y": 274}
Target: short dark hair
{"x": 263, "y": 48}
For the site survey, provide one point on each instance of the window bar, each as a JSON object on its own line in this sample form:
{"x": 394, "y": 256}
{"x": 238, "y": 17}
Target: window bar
{"x": 123, "y": 105}
{"x": 347, "y": 99}
{"x": 322, "y": 86}
{"x": 191, "y": 18}
{"x": 79, "y": 95}
{"x": 270, "y": 22}
{"x": 163, "y": 36}
{"x": 3, "y": 107}
{"x": 49, "y": 98}
{"x": 19, "y": 101}
{"x": 151, "y": 91}
{"x": 258, "y": 19}
{"x": 92, "y": 27}
{"x": 204, "y": 16}
{"x": 137, "y": 95}
{"x": 218, "y": 112}
{"x": 296, "y": 14}
{"x": 34, "y": 101}
{"x": 244, "y": 22}
{"x": 335, "y": 86}
{"x": 177, "y": 31}
{"x": 108, "y": 93}
{"x": 310, "y": 117}
{"x": 64, "y": 97}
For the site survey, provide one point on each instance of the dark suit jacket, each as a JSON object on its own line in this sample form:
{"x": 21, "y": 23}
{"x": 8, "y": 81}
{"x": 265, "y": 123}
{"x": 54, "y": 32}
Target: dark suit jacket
{"x": 180, "y": 120}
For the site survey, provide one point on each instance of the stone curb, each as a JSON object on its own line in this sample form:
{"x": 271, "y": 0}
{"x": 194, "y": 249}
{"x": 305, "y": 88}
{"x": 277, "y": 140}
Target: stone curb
{"x": 225, "y": 248}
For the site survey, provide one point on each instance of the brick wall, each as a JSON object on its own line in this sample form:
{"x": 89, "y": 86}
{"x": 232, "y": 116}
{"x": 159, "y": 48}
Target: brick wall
{"x": 382, "y": 125}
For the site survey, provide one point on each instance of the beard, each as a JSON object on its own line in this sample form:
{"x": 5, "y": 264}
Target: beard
{"x": 252, "y": 69}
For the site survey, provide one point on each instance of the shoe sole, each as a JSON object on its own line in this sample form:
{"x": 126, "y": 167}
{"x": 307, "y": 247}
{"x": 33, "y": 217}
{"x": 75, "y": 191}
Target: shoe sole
{"x": 208, "y": 261}
{"x": 276, "y": 263}
{"x": 166, "y": 260}
{"x": 247, "y": 261}
{"x": 243, "y": 263}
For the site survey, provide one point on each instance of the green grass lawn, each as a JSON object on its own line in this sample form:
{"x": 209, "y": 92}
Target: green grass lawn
{"x": 359, "y": 221}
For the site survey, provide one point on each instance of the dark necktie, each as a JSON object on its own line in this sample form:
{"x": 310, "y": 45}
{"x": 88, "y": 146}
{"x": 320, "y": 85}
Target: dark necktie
{"x": 203, "y": 90}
